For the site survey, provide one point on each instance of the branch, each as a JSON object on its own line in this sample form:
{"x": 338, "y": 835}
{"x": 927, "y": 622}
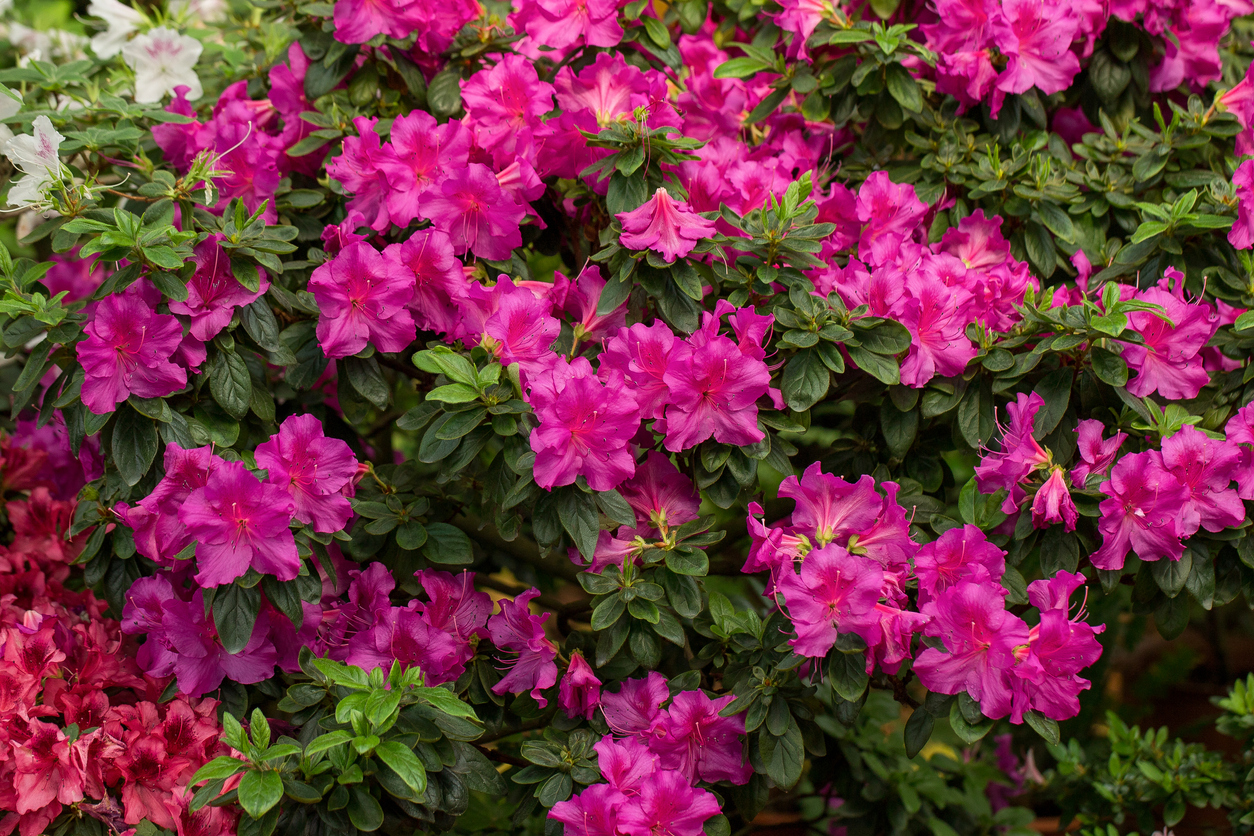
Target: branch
{"x": 500, "y": 757}
{"x": 520, "y": 548}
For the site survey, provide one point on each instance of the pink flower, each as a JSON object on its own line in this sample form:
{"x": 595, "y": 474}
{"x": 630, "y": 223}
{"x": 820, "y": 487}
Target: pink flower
{"x": 959, "y": 554}
{"x": 474, "y": 211}
{"x": 829, "y": 508}
{"x": 936, "y": 318}
{"x": 422, "y": 153}
{"x": 44, "y": 768}
{"x": 438, "y": 278}
{"x": 593, "y": 812}
{"x": 836, "y": 592}
{"x": 362, "y": 298}
{"x": 239, "y": 522}
{"x": 636, "y": 707}
{"x": 971, "y": 621}
{"x": 802, "y": 17}
{"x": 400, "y": 634}
{"x": 665, "y": 226}
{"x": 660, "y": 495}
{"x": 1206, "y": 467}
{"x": 1059, "y": 648}
{"x": 1053, "y": 503}
{"x": 521, "y": 328}
{"x": 1240, "y": 431}
{"x": 715, "y": 391}
{"x": 1039, "y": 46}
{"x": 1169, "y": 362}
{"x": 561, "y": 23}
{"x": 159, "y": 533}
{"x": 357, "y": 21}
{"x": 667, "y": 806}
{"x": 1239, "y": 101}
{"x": 516, "y": 630}
{"x": 585, "y": 427}
{"x": 1096, "y": 454}
{"x": 213, "y": 292}
{"x": 1241, "y": 235}
{"x": 890, "y": 213}
{"x": 127, "y": 352}
{"x": 200, "y": 660}
{"x": 579, "y": 299}
{"x": 362, "y": 171}
{"x": 1143, "y": 513}
{"x": 1020, "y": 453}
{"x": 699, "y": 744}
{"x": 579, "y": 693}
{"x": 642, "y": 355}
{"x": 316, "y": 471}
{"x": 506, "y": 103}
{"x": 625, "y": 763}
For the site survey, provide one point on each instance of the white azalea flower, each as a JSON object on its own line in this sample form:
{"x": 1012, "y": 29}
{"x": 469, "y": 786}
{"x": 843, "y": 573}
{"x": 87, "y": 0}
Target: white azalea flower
{"x": 37, "y": 157}
{"x": 121, "y": 20}
{"x": 162, "y": 60}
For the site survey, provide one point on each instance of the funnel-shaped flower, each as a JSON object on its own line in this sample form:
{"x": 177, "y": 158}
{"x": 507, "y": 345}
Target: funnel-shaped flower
{"x": 664, "y": 225}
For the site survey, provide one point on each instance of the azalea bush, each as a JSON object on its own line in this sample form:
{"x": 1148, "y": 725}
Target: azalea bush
{"x": 621, "y": 418}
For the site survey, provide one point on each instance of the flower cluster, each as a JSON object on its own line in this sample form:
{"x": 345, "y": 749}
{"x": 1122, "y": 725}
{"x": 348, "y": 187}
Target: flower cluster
{"x": 844, "y": 564}
{"x": 654, "y": 760}
{"x": 82, "y": 725}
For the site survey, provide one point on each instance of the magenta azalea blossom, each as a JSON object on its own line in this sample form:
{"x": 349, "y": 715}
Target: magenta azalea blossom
{"x": 316, "y": 471}
{"x": 201, "y": 662}
{"x": 403, "y": 635}
{"x": 836, "y": 592}
{"x": 475, "y": 213}
{"x": 579, "y": 692}
{"x": 665, "y": 226}
{"x": 1096, "y": 454}
{"x": 668, "y": 806}
{"x": 1143, "y": 513}
{"x": 1053, "y": 503}
{"x": 239, "y": 522}
{"x": 699, "y": 744}
{"x": 1059, "y": 648}
{"x": 1020, "y": 453}
{"x": 625, "y": 763}
{"x": 593, "y": 812}
{"x": 515, "y": 630}
{"x": 438, "y": 279}
{"x": 642, "y": 355}
{"x": 127, "y": 352}
{"x": 958, "y": 554}
{"x": 829, "y": 508}
{"x": 159, "y": 533}
{"x": 213, "y": 292}
{"x": 1169, "y": 362}
{"x": 660, "y": 495}
{"x": 362, "y": 297}
{"x": 980, "y": 636}
{"x": 636, "y": 707}
{"x": 357, "y": 21}
{"x": 1206, "y": 467}
{"x": 585, "y": 427}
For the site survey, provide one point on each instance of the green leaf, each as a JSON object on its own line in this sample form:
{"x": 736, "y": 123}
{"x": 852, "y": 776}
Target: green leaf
{"x": 363, "y": 809}
{"x": 401, "y": 759}
{"x": 1055, "y": 389}
{"x": 578, "y": 514}
{"x": 739, "y": 68}
{"x": 784, "y": 755}
{"x": 218, "y": 768}
{"x": 134, "y": 444}
{"x": 1108, "y": 366}
{"x": 259, "y": 790}
{"x": 1044, "y": 726}
{"x": 918, "y": 731}
{"x": 968, "y": 732}
{"x": 235, "y": 611}
{"x": 446, "y": 701}
{"x": 883, "y": 369}
{"x": 447, "y": 545}
{"x": 454, "y": 393}
{"x": 805, "y": 381}
{"x": 1171, "y": 575}
{"x": 367, "y": 378}
{"x": 903, "y": 88}
{"x": 848, "y": 674}
{"x": 684, "y": 562}
{"x": 230, "y": 384}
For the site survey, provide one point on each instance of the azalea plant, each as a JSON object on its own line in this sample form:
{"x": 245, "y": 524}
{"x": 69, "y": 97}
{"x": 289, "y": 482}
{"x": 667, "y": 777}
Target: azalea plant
{"x": 619, "y": 418}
